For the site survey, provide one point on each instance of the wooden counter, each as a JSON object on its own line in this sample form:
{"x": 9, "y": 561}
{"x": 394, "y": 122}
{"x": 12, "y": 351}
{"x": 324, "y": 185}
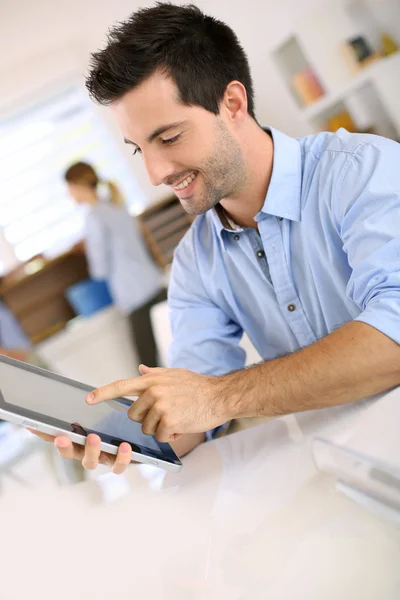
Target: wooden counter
{"x": 37, "y": 298}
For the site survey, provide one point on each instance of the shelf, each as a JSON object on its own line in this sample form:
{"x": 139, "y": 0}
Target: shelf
{"x": 324, "y": 77}
{"x": 161, "y": 233}
{"x": 329, "y": 100}
{"x": 163, "y": 225}
{"x": 166, "y": 215}
{"x": 298, "y": 72}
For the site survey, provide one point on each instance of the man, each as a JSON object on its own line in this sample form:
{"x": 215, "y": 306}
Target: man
{"x": 296, "y": 243}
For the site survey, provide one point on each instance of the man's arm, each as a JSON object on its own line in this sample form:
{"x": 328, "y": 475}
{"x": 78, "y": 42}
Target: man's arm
{"x": 351, "y": 363}
{"x": 363, "y": 357}
{"x": 204, "y": 338}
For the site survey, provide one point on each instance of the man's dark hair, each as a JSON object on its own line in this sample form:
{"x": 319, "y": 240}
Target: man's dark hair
{"x": 201, "y": 54}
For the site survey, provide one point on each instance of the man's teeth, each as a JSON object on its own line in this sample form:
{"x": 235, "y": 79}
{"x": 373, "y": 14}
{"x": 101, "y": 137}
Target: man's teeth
{"x": 186, "y": 182}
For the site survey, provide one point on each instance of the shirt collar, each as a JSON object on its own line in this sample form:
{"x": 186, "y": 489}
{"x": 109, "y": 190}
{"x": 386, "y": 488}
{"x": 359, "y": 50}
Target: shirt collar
{"x": 284, "y": 190}
{"x": 283, "y": 195}
{"x": 216, "y": 215}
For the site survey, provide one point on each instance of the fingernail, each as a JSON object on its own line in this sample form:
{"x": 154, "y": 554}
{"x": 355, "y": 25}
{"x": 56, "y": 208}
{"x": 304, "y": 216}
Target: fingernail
{"x": 125, "y": 449}
{"x": 90, "y": 398}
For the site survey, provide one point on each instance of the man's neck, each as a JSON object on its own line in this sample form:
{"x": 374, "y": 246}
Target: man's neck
{"x": 258, "y": 153}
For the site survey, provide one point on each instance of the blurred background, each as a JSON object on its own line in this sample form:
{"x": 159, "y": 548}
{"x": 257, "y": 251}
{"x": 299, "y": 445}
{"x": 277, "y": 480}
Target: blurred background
{"x": 317, "y": 65}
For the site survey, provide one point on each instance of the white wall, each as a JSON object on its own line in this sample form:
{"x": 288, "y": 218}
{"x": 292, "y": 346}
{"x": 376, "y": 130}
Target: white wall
{"x": 44, "y": 43}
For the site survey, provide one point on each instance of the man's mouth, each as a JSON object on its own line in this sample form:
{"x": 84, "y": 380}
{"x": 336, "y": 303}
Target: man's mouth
{"x": 185, "y": 182}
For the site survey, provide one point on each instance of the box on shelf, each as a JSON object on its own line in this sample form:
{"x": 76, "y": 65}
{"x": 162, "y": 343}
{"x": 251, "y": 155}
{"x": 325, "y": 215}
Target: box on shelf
{"x": 307, "y": 86}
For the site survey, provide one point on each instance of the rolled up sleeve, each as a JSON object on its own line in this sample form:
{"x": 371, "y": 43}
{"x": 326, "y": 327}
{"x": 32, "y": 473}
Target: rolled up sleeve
{"x": 205, "y": 339}
{"x": 369, "y": 223}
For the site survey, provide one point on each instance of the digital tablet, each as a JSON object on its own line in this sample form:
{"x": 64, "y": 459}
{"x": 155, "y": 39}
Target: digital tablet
{"x": 53, "y": 404}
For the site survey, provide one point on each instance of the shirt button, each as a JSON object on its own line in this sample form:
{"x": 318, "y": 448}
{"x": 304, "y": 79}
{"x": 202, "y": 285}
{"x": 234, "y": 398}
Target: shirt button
{"x": 260, "y": 253}
{"x": 291, "y": 307}
{"x": 236, "y": 237}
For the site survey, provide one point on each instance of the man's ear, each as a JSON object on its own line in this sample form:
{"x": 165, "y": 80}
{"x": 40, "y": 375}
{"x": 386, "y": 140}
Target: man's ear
{"x": 234, "y": 101}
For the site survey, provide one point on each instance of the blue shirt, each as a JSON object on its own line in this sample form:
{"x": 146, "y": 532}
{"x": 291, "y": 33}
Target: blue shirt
{"x": 12, "y": 336}
{"x": 116, "y": 252}
{"x": 327, "y": 252}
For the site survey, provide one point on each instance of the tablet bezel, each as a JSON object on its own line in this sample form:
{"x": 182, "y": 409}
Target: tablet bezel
{"x": 166, "y": 455}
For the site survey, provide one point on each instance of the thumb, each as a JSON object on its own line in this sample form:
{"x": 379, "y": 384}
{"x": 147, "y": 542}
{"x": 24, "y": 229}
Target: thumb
{"x": 144, "y": 370}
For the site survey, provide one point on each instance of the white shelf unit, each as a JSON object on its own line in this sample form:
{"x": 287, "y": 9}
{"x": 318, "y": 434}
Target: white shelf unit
{"x": 371, "y": 96}
{"x": 291, "y": 58}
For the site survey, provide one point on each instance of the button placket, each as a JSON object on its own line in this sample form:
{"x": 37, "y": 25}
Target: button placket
{"x": 259, "y": 253}
{"x": 282, "y": 282}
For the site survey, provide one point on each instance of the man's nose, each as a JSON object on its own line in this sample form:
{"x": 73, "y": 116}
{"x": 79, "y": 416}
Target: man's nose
{"x": 158, "y": 169}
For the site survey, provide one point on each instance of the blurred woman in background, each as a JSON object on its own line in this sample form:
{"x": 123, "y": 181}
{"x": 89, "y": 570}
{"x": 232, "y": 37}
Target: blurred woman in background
{"x": 116, "y": 252}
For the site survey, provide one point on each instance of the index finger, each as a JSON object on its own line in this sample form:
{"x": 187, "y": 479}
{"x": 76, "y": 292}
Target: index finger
{"x": 123, "y": 387}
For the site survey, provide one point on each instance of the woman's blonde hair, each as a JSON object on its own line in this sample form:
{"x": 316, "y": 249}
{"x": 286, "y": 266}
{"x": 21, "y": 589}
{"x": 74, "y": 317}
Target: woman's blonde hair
{"x": 84, "y": 174}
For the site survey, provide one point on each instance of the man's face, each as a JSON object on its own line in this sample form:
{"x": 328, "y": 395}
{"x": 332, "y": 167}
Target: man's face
{"x": 185, "y": 147}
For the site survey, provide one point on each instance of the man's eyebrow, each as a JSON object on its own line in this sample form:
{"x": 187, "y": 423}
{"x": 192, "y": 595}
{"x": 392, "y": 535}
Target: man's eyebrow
{"x": 157, "y": 132}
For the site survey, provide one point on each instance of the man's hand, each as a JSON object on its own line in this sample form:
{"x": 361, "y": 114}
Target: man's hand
{"x": 171, "y": 402}
{"x": 90, "y": 454}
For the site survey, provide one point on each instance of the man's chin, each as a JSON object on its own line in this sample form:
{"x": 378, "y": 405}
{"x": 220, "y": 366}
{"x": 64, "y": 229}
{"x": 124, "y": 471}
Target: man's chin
{"x": 193, "y": 208}
{"x": 190, "y": 207}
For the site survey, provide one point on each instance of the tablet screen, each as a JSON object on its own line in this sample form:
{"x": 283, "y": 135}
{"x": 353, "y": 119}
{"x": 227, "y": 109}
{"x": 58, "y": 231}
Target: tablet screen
{"x": 60, "y": 402}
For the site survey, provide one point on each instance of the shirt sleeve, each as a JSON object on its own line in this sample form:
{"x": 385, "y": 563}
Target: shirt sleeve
{"x": 12, "y": 337}
{"x": 204, "y": 338}
{"x": 97, "y": 248}
{"x": 369, "y": 226}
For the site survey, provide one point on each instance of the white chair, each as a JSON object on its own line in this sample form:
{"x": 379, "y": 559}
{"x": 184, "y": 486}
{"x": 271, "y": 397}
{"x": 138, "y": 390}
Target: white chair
{"x": 162, "y": 334}
{"x": 95, "y": 350}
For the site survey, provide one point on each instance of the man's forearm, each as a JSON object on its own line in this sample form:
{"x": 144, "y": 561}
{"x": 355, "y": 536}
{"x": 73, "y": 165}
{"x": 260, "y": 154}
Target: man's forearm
{"x": 351, "y": 363}
{"x": 354, "y": 362}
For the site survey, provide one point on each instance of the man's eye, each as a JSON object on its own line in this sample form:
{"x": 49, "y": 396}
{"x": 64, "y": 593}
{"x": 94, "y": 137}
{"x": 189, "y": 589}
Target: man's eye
{"x": 172, "y": 140}
{"x": 137, "y": 151}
